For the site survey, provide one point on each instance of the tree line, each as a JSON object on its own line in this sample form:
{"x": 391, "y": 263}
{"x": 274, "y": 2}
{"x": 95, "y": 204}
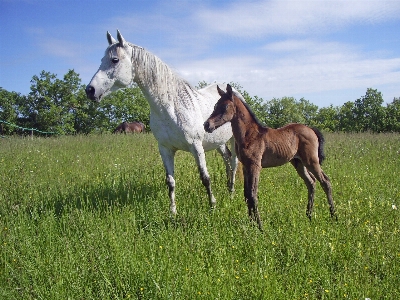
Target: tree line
{"x": 60, "y": 106}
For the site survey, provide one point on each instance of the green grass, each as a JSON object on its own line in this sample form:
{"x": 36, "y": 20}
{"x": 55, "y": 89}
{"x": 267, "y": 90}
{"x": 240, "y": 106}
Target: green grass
{"x": 87, "y": 217}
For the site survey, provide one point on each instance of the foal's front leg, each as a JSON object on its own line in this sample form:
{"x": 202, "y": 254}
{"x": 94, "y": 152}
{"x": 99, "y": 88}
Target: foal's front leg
{"x": 251, "y": 176}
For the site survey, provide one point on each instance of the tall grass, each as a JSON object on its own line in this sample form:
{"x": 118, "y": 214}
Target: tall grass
{"x": 87, "y": 217}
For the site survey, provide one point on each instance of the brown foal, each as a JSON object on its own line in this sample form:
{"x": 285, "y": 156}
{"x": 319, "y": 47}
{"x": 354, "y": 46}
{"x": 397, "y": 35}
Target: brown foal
{"x": 259, "y": 147}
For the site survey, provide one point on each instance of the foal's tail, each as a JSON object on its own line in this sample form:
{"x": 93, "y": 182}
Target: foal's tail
{"x": 321, "y": 141}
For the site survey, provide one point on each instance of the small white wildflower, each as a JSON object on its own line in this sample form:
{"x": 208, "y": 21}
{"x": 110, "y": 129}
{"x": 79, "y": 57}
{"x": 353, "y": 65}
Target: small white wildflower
{"x": 394, "y": 206}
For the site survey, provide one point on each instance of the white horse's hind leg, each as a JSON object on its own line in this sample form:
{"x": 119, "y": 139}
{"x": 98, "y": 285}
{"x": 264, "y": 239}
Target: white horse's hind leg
{"x": 167, "y": 156}
{"x": 199, "y": 156}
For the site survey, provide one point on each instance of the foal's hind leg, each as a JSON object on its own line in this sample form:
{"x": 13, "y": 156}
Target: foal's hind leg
{"x": 309, "y": 180}
{"x": 326, "y": 185}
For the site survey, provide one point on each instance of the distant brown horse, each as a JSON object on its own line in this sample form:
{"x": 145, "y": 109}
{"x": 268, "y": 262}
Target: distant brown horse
{"x": 259, "y": 147}
{"x": 134, "y": 127}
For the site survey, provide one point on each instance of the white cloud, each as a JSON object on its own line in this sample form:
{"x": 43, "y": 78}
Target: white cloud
{"x": 309, "y": 67}
{"x": 260, "y": 18}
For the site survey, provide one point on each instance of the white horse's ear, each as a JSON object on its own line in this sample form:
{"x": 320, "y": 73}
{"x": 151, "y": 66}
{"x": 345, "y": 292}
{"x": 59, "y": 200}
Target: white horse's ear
{"x": 110, "y": 39}
{"x": 220, "y": 92}
{"x": 120, "y": 38}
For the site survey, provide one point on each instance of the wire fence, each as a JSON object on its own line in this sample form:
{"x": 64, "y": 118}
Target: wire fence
{"x": 26, "y": 129}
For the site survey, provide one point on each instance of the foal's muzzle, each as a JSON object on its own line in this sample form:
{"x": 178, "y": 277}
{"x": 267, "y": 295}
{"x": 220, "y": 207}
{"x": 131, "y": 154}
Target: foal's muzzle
{"x": 207, "y": 127}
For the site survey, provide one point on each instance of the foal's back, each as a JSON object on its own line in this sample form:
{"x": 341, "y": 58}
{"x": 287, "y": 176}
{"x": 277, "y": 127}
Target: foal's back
{"x": 285, "y": 143}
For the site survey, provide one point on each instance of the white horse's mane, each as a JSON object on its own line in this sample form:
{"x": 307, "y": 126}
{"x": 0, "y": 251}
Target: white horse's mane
{"x": 157, "y": 75}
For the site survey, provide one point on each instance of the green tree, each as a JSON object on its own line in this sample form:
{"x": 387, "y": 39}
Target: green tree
{"x": 61, "y": 105}
{"x": 327, "y": 118}
{"x": 282, "y": 111}
{"x": 202, "y": 84}
{"x": 369, "y": 112}
{"x": 346, "y": 118}
{"x": 9, "y": 102}
{"x": 85, "y": 112}
{"x": 124, "y": 105}
{"x": 393, "y": 116}
{"x": 52, "y": 103}
{"x": 308, "y": 111}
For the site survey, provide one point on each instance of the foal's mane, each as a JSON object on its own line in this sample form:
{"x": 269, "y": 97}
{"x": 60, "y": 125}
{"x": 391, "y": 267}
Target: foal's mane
{"x": 252, "y": 114}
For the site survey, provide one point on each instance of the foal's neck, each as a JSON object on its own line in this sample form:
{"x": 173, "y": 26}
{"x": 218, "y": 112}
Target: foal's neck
{"x": 243, "y": 123}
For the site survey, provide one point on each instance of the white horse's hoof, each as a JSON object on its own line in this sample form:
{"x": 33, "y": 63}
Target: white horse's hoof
{"x": 173, "y": 210}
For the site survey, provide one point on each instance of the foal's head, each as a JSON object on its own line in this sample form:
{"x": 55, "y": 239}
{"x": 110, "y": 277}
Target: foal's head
{"x": 224, "y": 110}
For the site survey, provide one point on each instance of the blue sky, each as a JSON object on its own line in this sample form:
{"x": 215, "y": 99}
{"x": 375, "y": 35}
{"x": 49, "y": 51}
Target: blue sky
{"x": 328, "y": 52}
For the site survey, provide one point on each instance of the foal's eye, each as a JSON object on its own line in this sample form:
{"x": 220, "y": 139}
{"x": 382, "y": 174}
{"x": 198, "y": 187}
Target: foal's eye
{"x": 115, "y": 60}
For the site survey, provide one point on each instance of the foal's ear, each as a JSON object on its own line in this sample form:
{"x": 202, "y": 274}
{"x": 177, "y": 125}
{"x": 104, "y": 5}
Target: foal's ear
{"x": 229, "y": 90}
{"x": 110, "y": 39}
{"x": 220, "y": 92}
{"x": 120, "y": 38}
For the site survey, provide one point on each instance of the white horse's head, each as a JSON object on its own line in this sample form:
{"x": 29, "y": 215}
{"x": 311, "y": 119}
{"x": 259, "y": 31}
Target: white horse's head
{"x": 116, "y": 70}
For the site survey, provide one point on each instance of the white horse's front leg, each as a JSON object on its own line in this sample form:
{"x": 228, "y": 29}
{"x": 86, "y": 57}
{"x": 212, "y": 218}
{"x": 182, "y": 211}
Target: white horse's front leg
{"x": 226, "y": 155}
{"x": 230, "y": 165}
{"x": 198, "y": 153}
{"x": 234, "y": 163}
{"x": 167, "y": 156}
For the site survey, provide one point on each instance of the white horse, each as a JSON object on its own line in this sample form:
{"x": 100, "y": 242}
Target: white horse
{"x": 177, "y": 110}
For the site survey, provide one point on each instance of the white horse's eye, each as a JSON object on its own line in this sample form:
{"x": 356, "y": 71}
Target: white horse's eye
{"x": 115, "y": 60}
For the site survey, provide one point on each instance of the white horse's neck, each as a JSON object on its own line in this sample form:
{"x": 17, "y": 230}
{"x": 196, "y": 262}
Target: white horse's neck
{"x": 157, "y": 81}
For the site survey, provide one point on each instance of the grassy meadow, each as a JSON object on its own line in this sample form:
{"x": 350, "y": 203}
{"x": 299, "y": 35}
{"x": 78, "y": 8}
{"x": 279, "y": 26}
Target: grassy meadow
{"x": 87, "y": 217}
